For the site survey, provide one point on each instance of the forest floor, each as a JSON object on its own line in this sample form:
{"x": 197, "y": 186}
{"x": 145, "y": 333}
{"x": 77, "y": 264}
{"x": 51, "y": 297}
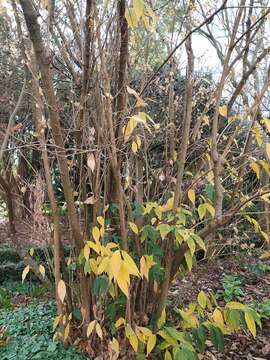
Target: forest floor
{"x": 238, "y": 277}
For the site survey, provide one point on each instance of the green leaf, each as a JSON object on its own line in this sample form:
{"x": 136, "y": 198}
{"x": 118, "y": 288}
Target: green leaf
{"x": 199, "y": 337}
{"x": 185, "y": 354}
{"x": 217, "y": 338}
{"x": 164, "y": 230}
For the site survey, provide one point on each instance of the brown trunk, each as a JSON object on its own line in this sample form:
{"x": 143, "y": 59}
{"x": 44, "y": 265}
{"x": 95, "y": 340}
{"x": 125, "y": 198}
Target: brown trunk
{"x": 43, "y": 60}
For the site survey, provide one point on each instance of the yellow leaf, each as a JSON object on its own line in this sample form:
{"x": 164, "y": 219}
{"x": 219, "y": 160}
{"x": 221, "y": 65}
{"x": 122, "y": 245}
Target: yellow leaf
{"x": 99, "y": 331}
{"x": 250, "y": 323}
{"x": 131, "y": 17}
{"x": 267, "y": 123}
{"x": 61, "y": 289}
{"x": 201, "y": 211}
{"x": 66, "y": 331}
{"x": 218, "y": 317}
{"x": 130, "y": 264}
{"x": 138, "y": 141}
{"x": 90, "y": 327}
{"x": 205, "y": 119}
{"x": 255, "y": 167}
{"x": 123, "y": 280}
{"x": 31, "y": 251}
{"x": 96, "y": 233}
{"x": 25, "y": 272}
{"x": 169, "y": 205}
{"x": 139, "y": 102}
{"x": 134, "y": 342}
{"x": 191, "y": 196}
{"x": 265, "y": 255}
{"x": 86, "y": 252}
{"x": 189, "y": 260}
{"x": 100, "y": 220}
{"x": 235, "y": 305}
{"x": 115, "y": 346}
{"x": 42, "y": 270}
{"x": 138, "y": 6}
{"x": 210, "y": 208}
{"x": 56, "y": 322}
{"x": 132, "y": 123}
{"x": 103, "y": 265}
{"x": 144, "y": 270}
{"x": 168, "y": 355}
{"x": 223, "y": 110}
{"x": 115, "y": 263}
{"x": 151, "y": 343}
{"x": 202, "y": 299}
{"x": 161, "y": 321}
{"x": 134, "y": 147}
{"x": 258, "y": 136}
{"x": 119, "y": 322}
{"x": 191, "y": 245}
{"x": 95, "y": 247}
{"x": 267, "y": 148}
{"x": 144, "y": 330}
{"x": 134, "y": 227}
{"x": 91, "y": 163}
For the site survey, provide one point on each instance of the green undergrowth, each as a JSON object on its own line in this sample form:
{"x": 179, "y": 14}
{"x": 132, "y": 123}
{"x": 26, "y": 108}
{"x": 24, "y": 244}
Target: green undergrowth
{"x": 26, "y": 333}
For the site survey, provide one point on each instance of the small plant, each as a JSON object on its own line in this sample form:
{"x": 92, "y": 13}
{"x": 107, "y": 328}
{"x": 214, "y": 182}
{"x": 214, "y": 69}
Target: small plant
{"x": 5, "y": 300}
{"x": 232, "y": 288}
{"x": 260, "y": 268}
{"x": 264, "y": 309}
